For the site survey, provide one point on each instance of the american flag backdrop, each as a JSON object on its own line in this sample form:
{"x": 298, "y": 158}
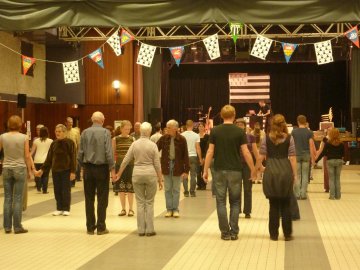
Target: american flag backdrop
{"x": 249, "y": 88}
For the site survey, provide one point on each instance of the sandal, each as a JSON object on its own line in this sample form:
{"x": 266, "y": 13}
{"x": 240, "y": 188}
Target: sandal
{"x": 131, "y": 213}
{"x": 122, "y": 213}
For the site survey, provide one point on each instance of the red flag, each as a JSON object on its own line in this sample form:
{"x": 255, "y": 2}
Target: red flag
{"x": 27, "y": 62}
{"x": 125, "y": 37}
{"x": 352, "y": 34}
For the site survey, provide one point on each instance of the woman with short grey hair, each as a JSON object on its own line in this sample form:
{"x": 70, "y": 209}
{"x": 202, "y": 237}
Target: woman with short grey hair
{"x": 147, "y": 171}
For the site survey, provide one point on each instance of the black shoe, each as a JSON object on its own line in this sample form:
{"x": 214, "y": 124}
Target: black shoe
{"x": 247, "y": 216}
{"x": 295, "y": 218}
{"x": 7, "y": 231}
{"x": 141, "y": 234}
{"x": 22, "y": 230}
{"x": 289, "y": 238}
{"x": 45, "y": 192}
{"x": 90, "y": 232}
{"x": 192, "y": 194}
{"x": 186, "y": 193}
{"x": 234, "y": 237}
{"x": 116, "y": 193}
{"x": 225, "y": 236}
{"x": 274, "y": 237}
{"x": 106, "y": 231}
{"x": 151, "y": 234}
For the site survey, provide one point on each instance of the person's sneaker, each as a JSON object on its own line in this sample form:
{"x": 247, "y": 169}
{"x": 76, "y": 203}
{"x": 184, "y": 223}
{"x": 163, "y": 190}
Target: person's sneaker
{"x": 106, "y": 231}
{"x": 274, "y": 237}
{"x": 225, "y": 236}
{"x": 141, "y": 234}
{"x": 90, "y": 232}
{"x": 7, "y": 231}
{"x": 57, "y": 213}
{"x": 186, "y": 193}
{"x": 176, "y": 214}
{"x": 192, "y": 194}
{"x": 169, "y": 214}
{"x": 151, "y": 234}
{"x": 66, "y": 213}
{"x": 21, "y": 230}
{"x": 234, "y": 237}
{"x": 247, "y": 216}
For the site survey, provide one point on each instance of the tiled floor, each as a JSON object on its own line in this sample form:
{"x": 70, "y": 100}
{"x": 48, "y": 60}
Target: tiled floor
{"x": 326, "y": 237}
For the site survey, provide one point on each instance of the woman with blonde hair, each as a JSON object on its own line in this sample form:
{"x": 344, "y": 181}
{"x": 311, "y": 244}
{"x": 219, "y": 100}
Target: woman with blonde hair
{"x": 17, "y": 160}
{"x": 279, "y": 176}
{"x": 334, "y": 151}
{"x": 121, "y": 145}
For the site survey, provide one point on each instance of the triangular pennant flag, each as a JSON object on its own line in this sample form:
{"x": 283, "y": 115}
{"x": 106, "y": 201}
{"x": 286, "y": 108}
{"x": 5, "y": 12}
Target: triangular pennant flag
{"x": 96, "y": 56}
{"x": 71, "y": 72}
{"x": 212, "y": 46}
{"x": 261, "y": 47}
{"x": 323, "y": 52}
{"x": 235, "y": 29}
{"x": 177, "y": 53}
{"x": 352, "y": 34}
{"x": 146, "y": 55}
{"x": 125, "y": 37}
{"x": 114, "y": 42}
{"x": 27, "y": 62}
{"x": 288, "y": 49}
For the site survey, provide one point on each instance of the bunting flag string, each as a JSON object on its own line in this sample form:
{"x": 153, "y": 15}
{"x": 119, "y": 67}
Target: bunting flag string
{"x": 177, "y": 53}
{"x": 27, "y": 62}
{"x": 352, "y": 34}
{"x": 288, "y": 49}
{"x": 146, "y": 54}
{"x": 96, "y": 56}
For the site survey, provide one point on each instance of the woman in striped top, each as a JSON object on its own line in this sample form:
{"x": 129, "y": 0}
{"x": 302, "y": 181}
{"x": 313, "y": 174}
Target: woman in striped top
{"x": 121, "y": 145}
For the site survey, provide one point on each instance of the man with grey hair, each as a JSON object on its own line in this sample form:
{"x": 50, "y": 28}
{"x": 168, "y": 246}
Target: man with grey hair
{"x": 96, "y": 157}
{"x": 174, "y": 165}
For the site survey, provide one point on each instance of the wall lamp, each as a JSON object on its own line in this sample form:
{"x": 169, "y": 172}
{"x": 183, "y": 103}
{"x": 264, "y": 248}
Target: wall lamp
{"x": 116, "y": 85}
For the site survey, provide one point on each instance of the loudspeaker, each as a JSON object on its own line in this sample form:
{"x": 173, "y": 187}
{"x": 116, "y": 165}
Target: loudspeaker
{"x": 156, "y": 115}
{"x": 21, "y": 101}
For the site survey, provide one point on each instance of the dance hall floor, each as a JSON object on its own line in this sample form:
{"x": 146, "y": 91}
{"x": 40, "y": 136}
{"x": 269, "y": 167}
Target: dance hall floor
{"x": 326, "y": 237}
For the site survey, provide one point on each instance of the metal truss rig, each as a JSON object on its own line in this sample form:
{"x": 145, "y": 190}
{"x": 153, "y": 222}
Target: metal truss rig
{"x": 196, "y": 32}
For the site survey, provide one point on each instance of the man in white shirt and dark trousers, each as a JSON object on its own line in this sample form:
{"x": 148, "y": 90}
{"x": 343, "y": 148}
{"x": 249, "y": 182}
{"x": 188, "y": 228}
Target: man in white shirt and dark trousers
{"x": 193, "y": 144}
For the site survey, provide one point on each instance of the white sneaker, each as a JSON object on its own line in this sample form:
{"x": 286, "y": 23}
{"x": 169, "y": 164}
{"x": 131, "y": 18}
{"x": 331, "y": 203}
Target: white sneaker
{"x": 169, "y": 214}
{"x": 57, "y": 213}
{"x": 66, "y": 213}
{"x": 176, "y": 214}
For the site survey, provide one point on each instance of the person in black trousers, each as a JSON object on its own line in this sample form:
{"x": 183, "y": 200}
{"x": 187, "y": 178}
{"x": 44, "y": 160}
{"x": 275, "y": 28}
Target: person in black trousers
{"x": 280, "y": 174}
{"x": 96, "y": 157}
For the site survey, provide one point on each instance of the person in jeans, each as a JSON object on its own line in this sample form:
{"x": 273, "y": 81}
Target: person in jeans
{"x": 305, "y": 147}
{"x": 174, "y": 165}
{"x": 278, "y": 147}
{"x": 251, "y": 144}
{"x": 334, "y": 151}
{"x": 194, "y": 150}
{"x": 39, "y": 151}
{"x": 147, "y": 172}
{"x": 17, "y": 162}
{"x": 96, "y": 157}
{"x": 225, "y": 144}
{"x": 61, "y": 160}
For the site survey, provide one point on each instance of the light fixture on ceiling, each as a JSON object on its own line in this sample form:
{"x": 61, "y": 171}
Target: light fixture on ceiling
{"x": 116, "y": 85}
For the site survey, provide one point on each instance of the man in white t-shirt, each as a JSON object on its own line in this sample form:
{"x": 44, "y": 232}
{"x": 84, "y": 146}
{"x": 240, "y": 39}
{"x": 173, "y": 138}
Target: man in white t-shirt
{"x": 193, "y": 144}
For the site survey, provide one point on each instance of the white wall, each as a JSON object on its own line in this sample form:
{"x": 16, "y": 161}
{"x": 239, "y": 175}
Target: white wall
{"x": 11, "y": 79}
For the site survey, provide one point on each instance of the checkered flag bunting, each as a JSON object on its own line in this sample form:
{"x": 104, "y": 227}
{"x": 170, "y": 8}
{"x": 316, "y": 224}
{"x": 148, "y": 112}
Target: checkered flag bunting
{"x": 71, "y": 72}
{"x": 323, "y": 51}
{"x": 261, "y": 47}
{"x": 114, "y": 42}
{"x": 146, "y": 55}
{"x": 212, "y": 46}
